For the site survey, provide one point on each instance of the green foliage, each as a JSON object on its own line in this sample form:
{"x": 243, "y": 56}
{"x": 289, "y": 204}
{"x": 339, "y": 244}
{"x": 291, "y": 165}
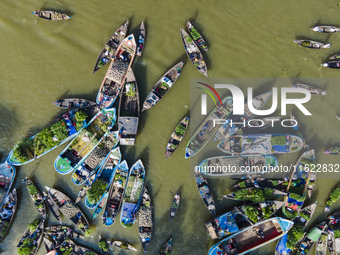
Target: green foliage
{"x": 252, "y": 213}
{"x": 103, "y": 245}
{"x": 242, "y": 184}
{"x": 249, "y": 140}
{"x": 68, "y": 251}
{"x": 59, "y": 130}
{"x": 297, "y": 197}
{"x": 278, "y": 140}
{"x": 334, "y": 196}
{"x": 96, "y": 191}
{"x": 194, "y": 33}
{"x": 275, "y": 183}
{"x": 305, "y": 216}
{"x": 22, "y": 151}
{"x": 291, "y": 214}
{"x": 329, "y": 202}
{"x": 32, "y": 190}
{"x": 124, "y": 246}
{"x": 90, "y": 253}
{"x": 44, "y": 141}
{"x": 180, "y": 129}
{"x": 294, "y": 235}
{"x": 3, "y": 231}
{"x": 34, "y": 224}
{"x": 266, "y": 211}
{"x": 255, "y": 195}
{"x": 40, "y": 206}
{"x": 188, "y": 38}
{"x": 88, "y": 232}
{"x": 80, "y": 116}
{"x": 336, "y": 233}
{"x": 27, "y": 247}
{"x": 132, "y": 90}
{"x": 81, "y": 226}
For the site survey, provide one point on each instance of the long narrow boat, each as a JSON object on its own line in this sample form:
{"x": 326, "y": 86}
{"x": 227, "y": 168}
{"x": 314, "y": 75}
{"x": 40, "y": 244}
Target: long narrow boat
{"x": 208, "y": 128}
{"x": 255, "y": 194}
{"x": 332, "y": 198}
{"x": 196, "y": 36}
{"x": 312, "y": 44}
{"x": 237, "y": 165}
{"x": 83, "y": 191}
{"x": 111, "y": 46}
{"x": 166, "y": 248}
{"x": 332, "y": 64}
{"x": 162, "y": 86}
{"x": 333, "y": 223}
{"x": 259, "y": 183}
{"x": 321, "y": 245}
{"x": 62, "y": 232}
{"x": 7, "y": 212}
{"x": 95, "y": 158}
{"x": 261, "y": 144}
{"x": 115, "y": 75}
{"x": 174, "y": 206}
{"x": 103, "y": 179}
{"x": 80, "y": 250}
{"x": 145, "y": 222}
{"x": 51, "y": 15}
{"x": 116, "y": 193}
{"x": 310, "y": 88}
{"x": 128, "y": 110}
{"x": 194, "y": 53}
{"x": 62, "y": 129}
{"x": 122, "y": 245}
{"x": 333, "y": 151}
{"x": 36, "y": 197}
{"x": 141, "y": 39}
{"x": 69, "y": 103}
{"x": 101, "y": 205}
{"x": 325, "y": 29}
{"x": 7, "y": 176}
{"x": 87, "y": 140}
{"x": 32, "y": 237}
{"x": 205, "y": 193}
{"x": 310, "y": 239}
{"x": 335, "y": 57}
{"x": 104, "y": 247}
{"x": 176, "y": 136}
{"x": 69, "y": 210}
{"x": 228, "y": 129}
{"x": 253, "y": 237}
{"x": 133, "y": 194}
{"x": 53, "y": 207}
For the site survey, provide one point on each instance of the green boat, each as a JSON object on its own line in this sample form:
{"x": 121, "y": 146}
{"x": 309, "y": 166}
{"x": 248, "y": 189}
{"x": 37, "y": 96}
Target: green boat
{"x": 31, "y": 239}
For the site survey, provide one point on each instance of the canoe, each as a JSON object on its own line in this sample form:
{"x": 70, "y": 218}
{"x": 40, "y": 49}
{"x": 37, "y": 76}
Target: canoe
{"x": 7, "y": 176}
{"x": 174, "y": 206}
{"x": 83, "y": 191}
{"x": 145, "y": 222}
{"x": 116, "y": 193}
{"x": 310, "y": 239}
{"x": 310, "y": 88}
{"x": 61, "y": 232}
{"x": 111, "y": 46}
{"x": 258, "y": 183}
{"x": 62, "y": 129}
{"x": 166, "y": 248}
{"x": 115, "y": 75}
{"x": 332, "y": 64}
{"x": 32, "y": 237}
{"x": 237, "y": 165}
{"x": 53, "y": 207}
{"x": 87, "y": 140}
{"x": 69, "y": 103}
{"x": 128, "y": 110}
{"x": 255, "y": 194}
{"x": 133, "y": 194}
{"x": 104, "y": 247}
{"x": 100, "y": 206}
{"x": 325, "y": 29}
{"x": 7, "y": 212}
{"x": 312, "y": 44}
{"x": 103, "y": 179}
{"x": 51, "y": 15}
{"x": 162, "y": 86}
{"x": 333, "y": 151}
{"x": 122, "y": 245}
{"x": 208, "y": 128}
{"x": 95, "y": 158}
{"x": 70, "y": 210}
{"x": 261, "y": 144}
{"x": 196, "y": 36}
{"x": 141, "y": 40}
{"x": 36, "y": 197}
{"x": 252, "y": 237}
{"x": 205, "y": 193}
{"x": 176, "y": 136}
{"x": 194, "y": 53}
{"x": 229, "y": 128}
{"x": 321, "y": 245}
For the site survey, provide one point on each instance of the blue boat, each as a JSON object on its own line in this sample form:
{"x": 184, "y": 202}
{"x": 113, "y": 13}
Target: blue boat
{"x": 7, "y": 176}
{"x": 133, "y": 194}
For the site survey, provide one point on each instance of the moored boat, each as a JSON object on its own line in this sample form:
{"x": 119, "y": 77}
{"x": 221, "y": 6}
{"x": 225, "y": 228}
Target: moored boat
{"x": 69, "y": 103}
{"x": 53, "y": 207}
{"x": 332, "y": 198}
{"x": 205, "y": 193}
{"x": 333, "y": 151}
{"x": 176, "y": 136}
{"x": 100, "y": 205}
{"x": 111, "y": 46}
{"x": 31, "y": 239}
{"x": 7, "y": 176}
{"x": 335, "y": 57}
{"x": 255, "y": 194}
{"x": 174, "y": 206}
{"x": 115, "y": 75}
{"x": 325, "y": 29}
{"x": 145, "y": 221}
{"x": 141, "y": 39}
{"x": 321, "y": 245}
{"x": 310, "y": 88}
{"x": 194, "y": 53}
{"x": 196, "y": 36}
{"x": 103, "y": 245}
{"x": 61, "y": 232}
{"x": 310, "y": 239}
{"x": 259, "y": 183}
{"x": 312, "y": 44}
{"x": 332, "y": 64}
{"x": 49, "y": 245}
{"x": 36, "y": 197}
{"x": 51, "y": 15}
{"x": 82, "y": 192}
{"x": 122, "y": 245}
{"x": 166, "y": 248}
{"x": 162, "y": 86}
{"x": 7, "y": 212}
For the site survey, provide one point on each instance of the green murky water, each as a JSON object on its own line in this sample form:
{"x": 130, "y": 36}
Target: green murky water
{"x": 43, "y": 61}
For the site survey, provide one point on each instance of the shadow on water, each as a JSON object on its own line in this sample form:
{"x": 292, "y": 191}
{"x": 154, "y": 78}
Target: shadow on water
{"x": 194, "y": 17}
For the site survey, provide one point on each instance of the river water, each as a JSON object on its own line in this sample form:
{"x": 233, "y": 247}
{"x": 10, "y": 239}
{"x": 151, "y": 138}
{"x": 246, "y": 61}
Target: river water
{"x": 44, "y": 61}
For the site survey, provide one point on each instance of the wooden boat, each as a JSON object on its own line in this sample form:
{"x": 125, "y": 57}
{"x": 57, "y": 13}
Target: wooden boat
{"x": 241, "y": 217}
{"x": 237, "y": 165}
{"x": 83, "y": 191}
{"x": 325, "y": 29}
{"x": 311, "y": 238}
{"x": 69, "y": 103}
{"x": 335, "y": 57}
{"x": 128, "y": 110}
{"x": 87, "y": 140}
{"x": 100, "y": 206}
{"x": 69, "y": 210}
{"x": 253, "y": 237}
{"x": 53, "y": 207}
{"x": 116, "y": 193}
{"x": 122, "y": 245}
{"x": 166, "y": 248}
{"x": 49, "y": 245}
{"x": 333, "y": 223}
{"x": 194, "y": 53}
{"x": 103, "y": 179}
{"x": 332, "y": 64}
{"x": 36, "y": 197}
{"x": 205, "y": 193}
{"x": 312, "y": 44}
{"x": 332, "y": 198}
{"x": 110, "y": 48}
{"x": 174, "y": 206}
{"x": 321, "y": 245}
{"x": 104, "y": 247}
{"x": 115, "y": 75}
{"x": 62, "y": 129}
{"x": 196, "y": 36}
{"x": 162, "y": 86}
{"x": 261, "y": 144}
{"x": 61, "y": 232}
{"x": 141, "y": 40}
{"x": 258, "y": 183}
{"x": 133, "y": 194}
{"x": 176, "y": 136}
{"x": 145, "y": 222}
{"x": 332, "y": 151}
{"x": 95, "y": 158}
{"x": 7, "y": 176}
{"x": 255, "y": 194}
{"x": 208, "y": 128}
{"x": 32, "y": 237}
{"x": 310, "y": 88}
{"x": 51, "y": 15}
{"x": 7, "y": 212}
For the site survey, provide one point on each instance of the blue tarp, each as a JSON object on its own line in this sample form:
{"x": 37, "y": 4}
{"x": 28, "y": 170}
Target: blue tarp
{"x": 282, "y": 245}
{"x": 227, "y": 224}
{"x": 71, "y": 129}
{"x": 293, "y": 201}
{"x": 281, "y": 148}
{"x": 129, "y": 211}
